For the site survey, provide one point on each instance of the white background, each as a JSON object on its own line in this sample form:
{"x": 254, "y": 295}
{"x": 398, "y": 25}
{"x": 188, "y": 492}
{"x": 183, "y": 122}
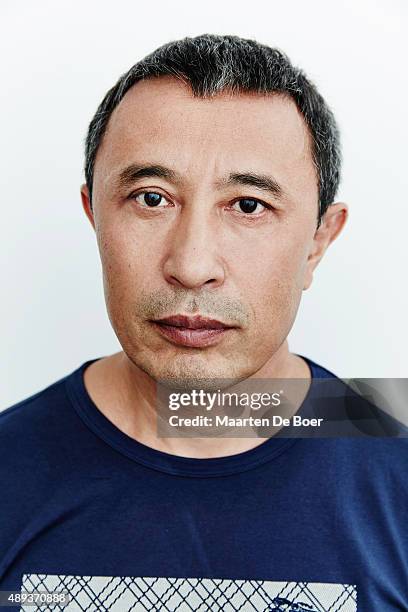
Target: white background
{"x": 57, "y": 61}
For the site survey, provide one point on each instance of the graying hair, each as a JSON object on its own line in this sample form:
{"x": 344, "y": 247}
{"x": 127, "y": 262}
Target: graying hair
{"x": 210, "y": 64}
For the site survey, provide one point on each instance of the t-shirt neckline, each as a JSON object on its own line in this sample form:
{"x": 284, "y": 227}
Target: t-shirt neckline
{"x": 166, "y": 462}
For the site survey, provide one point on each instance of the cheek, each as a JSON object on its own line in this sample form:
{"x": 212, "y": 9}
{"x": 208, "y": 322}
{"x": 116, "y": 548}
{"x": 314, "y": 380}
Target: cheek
{"x": 123, "y": 267}
{"x": 273, "y": 284}
{"x": 128, "y": 250}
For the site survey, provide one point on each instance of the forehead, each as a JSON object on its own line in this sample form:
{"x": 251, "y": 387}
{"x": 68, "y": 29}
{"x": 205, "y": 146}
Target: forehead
{"x": 160, "y": 120}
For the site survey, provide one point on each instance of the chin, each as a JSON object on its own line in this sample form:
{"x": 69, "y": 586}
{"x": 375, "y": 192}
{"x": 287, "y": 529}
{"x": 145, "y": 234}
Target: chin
{"x": 192, "y": 372}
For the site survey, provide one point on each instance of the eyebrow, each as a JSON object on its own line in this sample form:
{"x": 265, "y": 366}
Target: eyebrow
{"x": 134, "y": 172}
{"x": 260, "y": 181}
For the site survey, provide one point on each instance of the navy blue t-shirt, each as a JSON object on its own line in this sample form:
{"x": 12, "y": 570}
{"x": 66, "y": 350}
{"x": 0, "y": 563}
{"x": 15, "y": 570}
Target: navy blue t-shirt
{"x": 318, "y": 524}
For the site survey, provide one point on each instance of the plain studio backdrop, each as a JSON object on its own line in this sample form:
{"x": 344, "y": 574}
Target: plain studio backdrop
{"x": 59, "y": 59}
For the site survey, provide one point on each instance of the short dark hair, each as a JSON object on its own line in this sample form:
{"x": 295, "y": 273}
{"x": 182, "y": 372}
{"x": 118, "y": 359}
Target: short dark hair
{"x": 211, "y": 64}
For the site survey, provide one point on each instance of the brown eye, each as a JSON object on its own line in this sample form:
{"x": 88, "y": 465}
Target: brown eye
{"x": 249, "y": 205}
{"x": 151, "y": 199}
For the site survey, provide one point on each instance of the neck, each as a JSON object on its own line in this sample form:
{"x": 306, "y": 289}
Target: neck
{"x": 126, "y": 395}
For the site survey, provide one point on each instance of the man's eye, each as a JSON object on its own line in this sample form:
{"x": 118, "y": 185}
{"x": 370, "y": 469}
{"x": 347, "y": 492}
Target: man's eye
{"x": 249, "y": 205}
{"x": 150, "y": 199}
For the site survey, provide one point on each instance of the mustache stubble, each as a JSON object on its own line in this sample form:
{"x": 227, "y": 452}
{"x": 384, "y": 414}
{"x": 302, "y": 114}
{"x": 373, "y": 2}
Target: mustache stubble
{"x": 158, "y": 304}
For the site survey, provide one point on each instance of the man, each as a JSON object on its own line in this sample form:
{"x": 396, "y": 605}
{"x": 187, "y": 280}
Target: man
{"x": 211, "y": 173}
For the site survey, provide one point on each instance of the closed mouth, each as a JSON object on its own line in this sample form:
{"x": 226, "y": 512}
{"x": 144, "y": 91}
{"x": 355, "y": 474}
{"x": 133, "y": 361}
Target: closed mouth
{"x": 196, "y": 322}
{"x": 195, "y": 332}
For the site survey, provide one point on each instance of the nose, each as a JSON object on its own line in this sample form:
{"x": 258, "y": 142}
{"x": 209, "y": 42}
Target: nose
{"x": 193, "y": 258}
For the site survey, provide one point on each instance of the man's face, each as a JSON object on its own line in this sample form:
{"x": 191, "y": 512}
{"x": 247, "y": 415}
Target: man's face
{"x": 204, "y": 207}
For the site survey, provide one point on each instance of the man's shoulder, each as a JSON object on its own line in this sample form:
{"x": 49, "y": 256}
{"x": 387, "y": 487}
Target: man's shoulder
{"x": 34, "y": 408}
{"x": 36, "y": 425}
{"x": 353, "y": 407}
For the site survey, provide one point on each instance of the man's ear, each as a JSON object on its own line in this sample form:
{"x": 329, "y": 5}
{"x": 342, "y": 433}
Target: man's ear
{"x": 86, "y": 203}
{"x": 331, "y": 225}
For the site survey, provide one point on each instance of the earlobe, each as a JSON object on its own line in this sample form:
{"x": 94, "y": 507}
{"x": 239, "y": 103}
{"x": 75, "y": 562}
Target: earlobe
{"x": 308, "y": 281}
{"x": 86, "y": 204}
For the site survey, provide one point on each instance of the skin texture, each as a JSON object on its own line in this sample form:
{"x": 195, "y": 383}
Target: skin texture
{"x": 198, "y": 252}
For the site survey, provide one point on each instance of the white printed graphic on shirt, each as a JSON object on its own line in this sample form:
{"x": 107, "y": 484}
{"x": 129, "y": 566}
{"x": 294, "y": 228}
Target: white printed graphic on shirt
{"x": 120, "y": 594}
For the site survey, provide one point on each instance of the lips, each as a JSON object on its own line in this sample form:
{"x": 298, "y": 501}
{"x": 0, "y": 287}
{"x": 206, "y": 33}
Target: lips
{"x": 197, "y": 322}
{"x": 196, "y": 332}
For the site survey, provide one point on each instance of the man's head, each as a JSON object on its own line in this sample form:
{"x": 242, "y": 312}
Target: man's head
{"x": 211, "y": 171}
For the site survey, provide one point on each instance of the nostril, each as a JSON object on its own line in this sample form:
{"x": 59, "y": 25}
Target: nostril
{"x": 192, "y": 270}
